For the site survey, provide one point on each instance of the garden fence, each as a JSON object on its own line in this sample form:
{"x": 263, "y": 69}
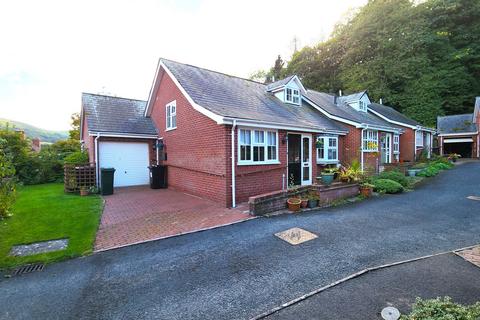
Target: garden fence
{"x": 77, "y": 176}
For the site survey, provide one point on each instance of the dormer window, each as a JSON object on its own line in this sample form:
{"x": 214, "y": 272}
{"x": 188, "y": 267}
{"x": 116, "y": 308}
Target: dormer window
{"x": 292, "y": 95}
{"x": 362, "y": 106}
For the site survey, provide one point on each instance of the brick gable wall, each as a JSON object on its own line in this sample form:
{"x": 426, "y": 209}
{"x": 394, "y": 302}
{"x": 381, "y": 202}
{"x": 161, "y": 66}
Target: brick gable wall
{"x": 407, "y": 145}
{"x": 196, "y": 150}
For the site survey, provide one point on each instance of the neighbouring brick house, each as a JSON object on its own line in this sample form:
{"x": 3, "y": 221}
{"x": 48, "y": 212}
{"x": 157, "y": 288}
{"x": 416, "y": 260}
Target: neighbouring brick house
{"x": 460, "y": 133}
{"x": 226, "y": 138}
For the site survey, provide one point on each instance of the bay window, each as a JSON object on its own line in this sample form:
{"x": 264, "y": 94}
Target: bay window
{"x": 370, "y": 141}
{"x": 396, "y": 144}
{"x": 256, "y": 146}
{"x": 327, "y": 149}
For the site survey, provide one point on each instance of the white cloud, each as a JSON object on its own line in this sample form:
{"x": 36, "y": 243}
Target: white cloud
{"x": 57, "y": 49}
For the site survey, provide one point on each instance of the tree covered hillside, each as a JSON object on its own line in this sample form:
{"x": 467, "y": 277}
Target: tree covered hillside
{"x": 34, "y": 132}
{"x": 422, "y": 57}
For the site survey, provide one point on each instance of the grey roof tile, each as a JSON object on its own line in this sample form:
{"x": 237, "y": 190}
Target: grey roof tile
{"x": 116, "y": 115}
{"x": 235, "y": 97}
{"x": 392, "y": 114}
{"x": 351, "y": 97}
{"x": 456, "y": 124}
{"x": 327, "y": 102}
{"x": 279, "y": 83}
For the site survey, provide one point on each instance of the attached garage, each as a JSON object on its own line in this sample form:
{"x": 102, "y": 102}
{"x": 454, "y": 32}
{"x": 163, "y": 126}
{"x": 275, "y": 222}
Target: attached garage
{"x": 130, "y": 160}
{"x": 461, "y": 146}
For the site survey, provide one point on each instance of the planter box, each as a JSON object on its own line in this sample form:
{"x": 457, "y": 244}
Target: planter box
{"x": 277, "y": 200}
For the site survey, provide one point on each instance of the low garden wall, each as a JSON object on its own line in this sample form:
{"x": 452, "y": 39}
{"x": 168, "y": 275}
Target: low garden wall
{"x": 273, "y": 201}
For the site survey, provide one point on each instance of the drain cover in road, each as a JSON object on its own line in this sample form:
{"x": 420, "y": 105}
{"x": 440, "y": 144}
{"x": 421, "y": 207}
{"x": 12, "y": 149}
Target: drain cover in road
{"x": 296, "y": 236}
{"x": 471, "y": 255}
{"x": 476, "y": 198}
{"x": 390, "y": 313}
{"x": 38, "y": 247}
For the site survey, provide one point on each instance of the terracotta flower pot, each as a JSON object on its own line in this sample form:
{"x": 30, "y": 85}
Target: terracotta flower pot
{"x": 83, "y": 192}
{"x": 294, "y": 204}
{"x": 304, "y": 203}
{"x": 366, "y": 192}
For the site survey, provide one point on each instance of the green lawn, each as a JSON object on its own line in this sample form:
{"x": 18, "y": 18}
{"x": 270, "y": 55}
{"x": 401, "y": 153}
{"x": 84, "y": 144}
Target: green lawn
{"x": 45, "y": 212}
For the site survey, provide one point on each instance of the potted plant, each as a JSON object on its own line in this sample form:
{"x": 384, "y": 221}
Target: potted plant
{"x": 304, "y": 202}
{"x": 452, "y": 157}
{"x": 313, "y": 198}
{"x": 328, "y": 174}
{"x": 83, "y": 191}
{"x": 294, "y": 204}
{"x": 366, "y": 189}
{"x": 412, "y": 171}
{"x": 93, "y": 190}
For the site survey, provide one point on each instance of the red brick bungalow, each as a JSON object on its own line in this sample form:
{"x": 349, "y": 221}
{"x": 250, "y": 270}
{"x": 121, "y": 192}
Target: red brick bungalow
{"x": 460, "y": 133}
{"x": 226, "y": 138}
{"x": 415, "y": 138}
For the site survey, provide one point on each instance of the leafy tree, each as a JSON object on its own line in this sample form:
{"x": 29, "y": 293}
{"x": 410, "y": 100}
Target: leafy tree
{"x": 74, "y": 133}
{"x": 7, "y": 181}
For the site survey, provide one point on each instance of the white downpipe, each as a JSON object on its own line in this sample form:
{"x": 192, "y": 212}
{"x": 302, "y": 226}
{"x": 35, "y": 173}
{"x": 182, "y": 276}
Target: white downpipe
{"x": 96, "y": 160}
{"x": 478, "y": 145}
{"x": 234, "y": 204}
{"x": 361, "y": 149}
{"x": 156, "y": 149}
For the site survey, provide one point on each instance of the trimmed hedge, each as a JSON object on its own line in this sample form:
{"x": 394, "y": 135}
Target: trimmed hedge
{"x": 442, "y": 309}
{"x": 387, "y": 186}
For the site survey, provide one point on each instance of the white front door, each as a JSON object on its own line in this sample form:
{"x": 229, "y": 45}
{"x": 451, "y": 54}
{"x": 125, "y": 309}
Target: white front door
{"x": 306, "y": 152}
{"x": 387, "y": 148}
{"x": 130, "y": 160}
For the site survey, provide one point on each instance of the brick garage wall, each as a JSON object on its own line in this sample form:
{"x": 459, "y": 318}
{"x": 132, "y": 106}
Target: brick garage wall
{"x": 88, "y": 141}
{"x": 197, "y": 157}
{"x": 407, "y": 145}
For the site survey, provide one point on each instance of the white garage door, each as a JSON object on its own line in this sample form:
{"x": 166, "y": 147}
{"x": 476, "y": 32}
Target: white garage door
{"x": 130, "y": 160}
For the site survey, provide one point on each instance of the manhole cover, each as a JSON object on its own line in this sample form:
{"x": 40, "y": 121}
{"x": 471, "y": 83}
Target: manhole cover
{"x": 476, "y": 198}
{"x": 390, "y": 313}
{"x": 38, "y": 247}
{"x": 28, "y": 269}
{"x": 296, "y": 236}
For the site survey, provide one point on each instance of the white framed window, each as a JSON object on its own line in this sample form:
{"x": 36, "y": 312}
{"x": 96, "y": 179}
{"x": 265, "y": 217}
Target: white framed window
{"x": 171, "y": 115}
{"x": 292, "y": 95}
{"x": 362, "y": 106}
{"x": 396, "y": 144}
{"x": 419, "y": 138}
{"x": 327, "y": 149}
{"x": 370, "y": 140}
{"x": 257, "y": 146}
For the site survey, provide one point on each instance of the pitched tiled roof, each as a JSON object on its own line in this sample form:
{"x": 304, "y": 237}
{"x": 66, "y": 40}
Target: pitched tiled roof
{"x": 351, "y": 97}
{"x": 239, "y": 98}
{"x": 116, "y": 115}
{"x": 279, "y": 83}
{"x": 392, "y": 114}
{"x": 456, "y": 124}
{"x": 342, "y": 110}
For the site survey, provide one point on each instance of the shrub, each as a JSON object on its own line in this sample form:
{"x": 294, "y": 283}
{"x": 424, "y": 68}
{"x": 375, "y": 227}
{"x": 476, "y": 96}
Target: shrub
{"x": 395, "y": 176}
{"x": 428, "y": 172}
{"x": 78, "y": 157}
{"x": 440, "y": 166}
{"x": 7, "y": 183}
{"x": 387, "y": 186}
{"x": 442, "y": 309}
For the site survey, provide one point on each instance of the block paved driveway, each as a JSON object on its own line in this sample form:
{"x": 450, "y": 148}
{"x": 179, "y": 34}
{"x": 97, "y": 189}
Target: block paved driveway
{"x": 240, "y": 271}
{"x": 138, "y": 214}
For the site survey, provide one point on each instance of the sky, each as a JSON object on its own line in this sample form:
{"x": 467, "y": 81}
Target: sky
{"x": 52, "y": 51}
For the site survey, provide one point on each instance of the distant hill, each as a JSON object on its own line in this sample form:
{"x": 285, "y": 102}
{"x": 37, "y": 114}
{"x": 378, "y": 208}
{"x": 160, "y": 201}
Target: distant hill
{"x": 34, "y": 132}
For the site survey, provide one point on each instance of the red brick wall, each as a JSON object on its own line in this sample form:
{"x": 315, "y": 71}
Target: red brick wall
{"x": 196, "y": 150}
{"x": 89, "y": 141}
{"x": 407, "y": 145}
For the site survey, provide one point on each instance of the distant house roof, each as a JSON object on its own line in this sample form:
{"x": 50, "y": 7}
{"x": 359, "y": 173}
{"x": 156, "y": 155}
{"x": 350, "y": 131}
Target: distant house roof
{"x": 238, "y": 98}
{"x": 332, "y": 106}
{"x": 279, "y": 83}
{"x": 461, "y": 123}
{"x": 351, "y": 97}
{"x": 116, "y": 115}
{"x": 392, "y": 114}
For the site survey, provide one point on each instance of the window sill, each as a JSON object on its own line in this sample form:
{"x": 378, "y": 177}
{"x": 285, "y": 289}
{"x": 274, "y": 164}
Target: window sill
{"x": 327, "y": 161}
{"x": 257, "y": 163}
{"x": 170, "y": 129}
{"x": 369, "y": 151}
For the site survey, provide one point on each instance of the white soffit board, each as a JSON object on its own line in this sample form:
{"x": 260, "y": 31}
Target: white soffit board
{"x": 457, "y": 140}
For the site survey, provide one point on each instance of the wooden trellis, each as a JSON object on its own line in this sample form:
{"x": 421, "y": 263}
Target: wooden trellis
{"x": 77, "y": 176}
